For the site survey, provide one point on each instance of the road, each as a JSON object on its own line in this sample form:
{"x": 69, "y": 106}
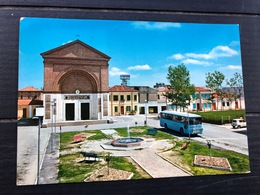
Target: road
{"x": 225, "y": 137}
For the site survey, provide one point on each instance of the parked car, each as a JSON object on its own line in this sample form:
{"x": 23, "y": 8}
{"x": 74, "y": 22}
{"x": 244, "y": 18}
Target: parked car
{"x": 238, "y": 123}
{"x": 28, "y": 122}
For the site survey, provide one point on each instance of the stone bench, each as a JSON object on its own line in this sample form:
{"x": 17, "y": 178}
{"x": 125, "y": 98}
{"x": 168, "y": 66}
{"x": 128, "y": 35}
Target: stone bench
{"x": 152, "y": 131}
{"x": 90, "y": 156}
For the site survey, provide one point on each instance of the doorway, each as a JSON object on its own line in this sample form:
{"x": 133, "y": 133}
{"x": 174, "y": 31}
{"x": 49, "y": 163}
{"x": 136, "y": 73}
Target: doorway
{"x": 24, "y": 112}
{"x": 84, "y": 111}
{"x": 70, "y": 112}
{"x": 122, "y": 110}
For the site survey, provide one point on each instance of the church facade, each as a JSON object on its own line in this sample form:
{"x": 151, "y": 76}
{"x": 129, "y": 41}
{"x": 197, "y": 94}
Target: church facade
{"x": 75, "y": 84}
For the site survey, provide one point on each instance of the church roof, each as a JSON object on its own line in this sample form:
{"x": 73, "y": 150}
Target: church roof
{"x": 58, "y": 50}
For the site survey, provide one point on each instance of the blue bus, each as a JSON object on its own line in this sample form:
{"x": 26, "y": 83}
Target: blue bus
{"x": 184, "y": 123}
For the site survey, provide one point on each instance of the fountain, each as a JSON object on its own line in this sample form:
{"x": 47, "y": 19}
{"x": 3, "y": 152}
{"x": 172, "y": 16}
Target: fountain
{"x": 128, "y": 141}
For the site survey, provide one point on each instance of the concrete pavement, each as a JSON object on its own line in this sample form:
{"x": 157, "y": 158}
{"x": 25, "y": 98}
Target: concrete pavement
{"x": 27, "y": 153}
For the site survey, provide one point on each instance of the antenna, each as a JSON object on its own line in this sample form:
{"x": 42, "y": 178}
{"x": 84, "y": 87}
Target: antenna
{"x": 124, "y": 78}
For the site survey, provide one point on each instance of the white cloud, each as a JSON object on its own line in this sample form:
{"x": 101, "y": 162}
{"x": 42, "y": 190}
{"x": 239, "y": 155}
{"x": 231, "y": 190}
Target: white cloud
{"x": 156, "y": 25}
{"x": 177, "y": 56}
{"x": 222, "y": 51}
{"x": 216, "y": 52}
{"x": 234, "y": 67}
{"x": 116, "y": 72}
{"x": 197, "y": 62}
{"x": 140, "y": 67}
{"x": 201, "y": 56}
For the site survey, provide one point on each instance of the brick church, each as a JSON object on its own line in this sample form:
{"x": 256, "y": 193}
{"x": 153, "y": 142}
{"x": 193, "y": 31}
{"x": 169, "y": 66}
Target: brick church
{"x": 75, "y": 84}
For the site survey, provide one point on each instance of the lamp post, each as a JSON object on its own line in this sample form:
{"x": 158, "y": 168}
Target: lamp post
{"x": 38, "y": 157}
{"x": 53, "y": 104}
{"x": 188, "y": 120}
{"x": 146, "y": 112}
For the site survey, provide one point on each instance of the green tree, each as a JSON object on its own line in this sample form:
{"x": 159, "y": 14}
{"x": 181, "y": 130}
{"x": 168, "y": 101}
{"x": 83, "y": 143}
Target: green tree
{"x": 180, "y": 87}
{"x": 214, "y": 82}
{"x": 236, "y": 85}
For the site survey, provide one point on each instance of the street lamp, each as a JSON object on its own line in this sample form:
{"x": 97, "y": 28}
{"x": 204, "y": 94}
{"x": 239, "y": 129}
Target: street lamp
{"x": 53, "y": 104}
{"x": 146, "y": 112}
{"x": 38, "y": 156}
{"x": 188, "y": 120}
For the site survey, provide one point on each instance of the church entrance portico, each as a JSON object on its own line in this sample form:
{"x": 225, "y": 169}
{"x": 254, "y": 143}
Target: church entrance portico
{"x": 79, "y": 109}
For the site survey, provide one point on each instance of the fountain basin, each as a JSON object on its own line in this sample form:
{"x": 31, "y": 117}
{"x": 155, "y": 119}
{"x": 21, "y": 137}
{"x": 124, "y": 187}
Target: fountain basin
{"x": 127, "y": 142}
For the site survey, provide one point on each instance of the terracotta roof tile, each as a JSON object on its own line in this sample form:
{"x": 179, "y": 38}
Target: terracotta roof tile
{"x": 164, "y": 89}
{"x": 23, "y": 102}
{"x": 201, "y": 89}
{"x": 30, "y": 88}
{"x": 30, "y": 102}
{"x": 121, "y": 88}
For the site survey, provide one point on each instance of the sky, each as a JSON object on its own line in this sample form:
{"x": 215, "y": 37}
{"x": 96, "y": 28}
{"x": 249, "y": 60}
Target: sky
{"x": 142, "y": 49}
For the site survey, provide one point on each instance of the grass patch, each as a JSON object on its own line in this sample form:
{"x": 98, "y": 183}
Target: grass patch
{"x": 71, "y": 170}
{"x": 123, "y": 131}
{"x": 239, "y": 162}
{"x": 66, "y": 138}
{"x": 221, "y": 117}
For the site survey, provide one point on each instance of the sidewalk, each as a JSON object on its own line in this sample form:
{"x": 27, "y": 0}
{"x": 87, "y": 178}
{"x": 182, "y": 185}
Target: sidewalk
{"x": 50, "y": 165}
{"x": 156, "y": 166}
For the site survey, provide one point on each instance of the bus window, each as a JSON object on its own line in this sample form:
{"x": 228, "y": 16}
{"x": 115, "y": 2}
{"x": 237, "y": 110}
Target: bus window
{"x": 162, "y": 115}
{"x": 179, "y": 118}
{"x": 195, "y": 121}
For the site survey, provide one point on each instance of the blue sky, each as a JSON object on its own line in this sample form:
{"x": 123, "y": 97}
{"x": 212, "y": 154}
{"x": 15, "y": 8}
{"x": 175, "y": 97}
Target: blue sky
{"x": 144, "y": 50}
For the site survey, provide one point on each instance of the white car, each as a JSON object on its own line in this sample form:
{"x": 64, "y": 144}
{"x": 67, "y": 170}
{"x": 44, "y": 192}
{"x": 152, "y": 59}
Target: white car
{"x": 238, "y": 123}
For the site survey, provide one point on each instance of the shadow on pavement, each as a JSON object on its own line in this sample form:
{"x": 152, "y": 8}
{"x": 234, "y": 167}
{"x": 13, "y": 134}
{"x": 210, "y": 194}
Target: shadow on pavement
{"x": 244, "y": 132}
{"x": 177, "y": 134}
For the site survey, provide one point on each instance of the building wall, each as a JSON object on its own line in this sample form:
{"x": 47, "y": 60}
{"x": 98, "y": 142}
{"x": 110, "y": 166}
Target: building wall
{"x": 24, "y": 110}
{"x": 55, "y": 106}
{"x": 123, "y": 105}
{"x": 77, "y": 57}
{"x": 75, "y": 83}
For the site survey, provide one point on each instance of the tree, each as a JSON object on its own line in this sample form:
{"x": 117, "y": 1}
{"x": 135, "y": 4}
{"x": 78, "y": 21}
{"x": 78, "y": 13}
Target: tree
{"x": 236, "y": 84}
{"x": 180, "y": 87}
{"x": 214, "y": 82}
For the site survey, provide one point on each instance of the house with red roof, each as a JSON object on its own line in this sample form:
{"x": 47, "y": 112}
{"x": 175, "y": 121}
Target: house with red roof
{"x": 29, "y": 98}
{"x": 202, "y": 100}
{"x": 123, "y": 100}
{"x": 206, "y": 100}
